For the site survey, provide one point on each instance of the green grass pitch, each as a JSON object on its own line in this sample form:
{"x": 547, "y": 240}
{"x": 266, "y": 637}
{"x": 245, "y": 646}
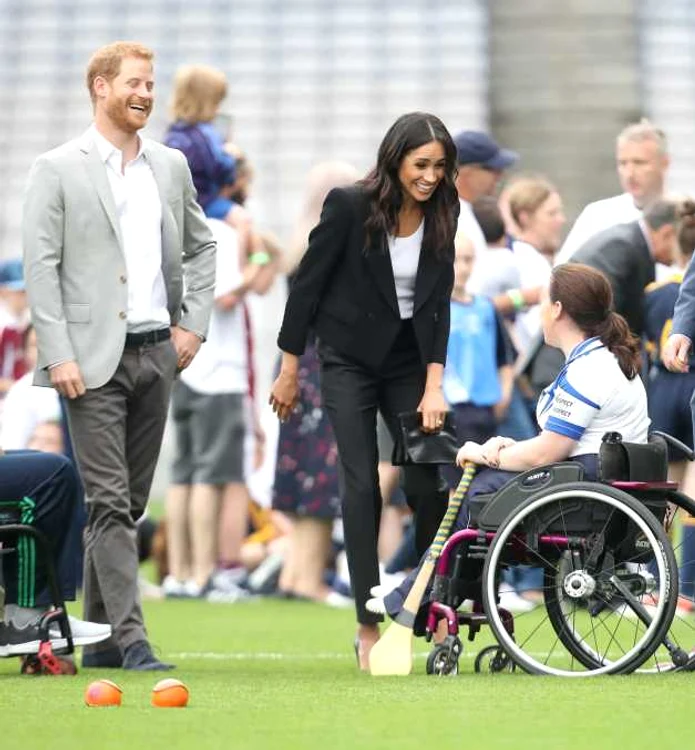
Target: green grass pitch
{"x": 282, "y": 675}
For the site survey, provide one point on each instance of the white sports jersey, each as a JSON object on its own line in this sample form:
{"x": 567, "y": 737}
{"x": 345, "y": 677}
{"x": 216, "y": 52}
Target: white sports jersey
{"x": 592, "y": 396}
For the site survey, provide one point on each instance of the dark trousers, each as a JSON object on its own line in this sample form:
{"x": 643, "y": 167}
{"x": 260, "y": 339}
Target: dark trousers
{"x": 38, "y": 489}
{"x": 352, "y": 394}
{"x": 117, "y": 433}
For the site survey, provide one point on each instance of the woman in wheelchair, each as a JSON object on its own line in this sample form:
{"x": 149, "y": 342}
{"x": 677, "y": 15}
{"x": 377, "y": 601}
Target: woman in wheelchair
{"x": 597, "y": 391}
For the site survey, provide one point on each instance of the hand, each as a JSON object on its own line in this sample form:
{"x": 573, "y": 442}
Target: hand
{"x": 500, "y": 409}
{"x": 186, "y": 344}
{"x": 675, "y": 353}
{"x": 284, "y": 394}
{"x": 490, "y": 450}
{"x": 66, "y": 378}
{"x": 433, "y": 408}
{"x": 228, "y": 301}
{"x": 470, "y": 452}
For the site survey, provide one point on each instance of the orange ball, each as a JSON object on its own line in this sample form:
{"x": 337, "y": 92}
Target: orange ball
{"x": 170, "y": 693}
{"x": 103, "y": 693}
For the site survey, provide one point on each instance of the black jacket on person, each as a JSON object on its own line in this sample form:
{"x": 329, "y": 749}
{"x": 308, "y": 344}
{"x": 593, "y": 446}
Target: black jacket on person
{"x": 622, "y": 253}
{"x": 348, "y": 297}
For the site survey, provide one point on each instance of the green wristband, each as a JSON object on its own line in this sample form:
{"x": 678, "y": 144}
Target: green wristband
{"x": 260, "y": 258}
{"x": 517, "y": 299}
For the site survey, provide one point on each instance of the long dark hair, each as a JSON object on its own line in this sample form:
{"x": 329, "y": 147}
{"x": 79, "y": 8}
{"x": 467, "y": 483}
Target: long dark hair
{"x": 385, "y": 192}
{"x": 587, "y": 298}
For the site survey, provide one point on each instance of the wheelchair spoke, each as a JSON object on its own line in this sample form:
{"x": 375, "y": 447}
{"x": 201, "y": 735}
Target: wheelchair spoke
{"x": 590, "y": 591}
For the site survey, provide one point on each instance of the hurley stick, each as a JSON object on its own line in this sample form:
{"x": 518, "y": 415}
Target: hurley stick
{"x": 392, "y": 654}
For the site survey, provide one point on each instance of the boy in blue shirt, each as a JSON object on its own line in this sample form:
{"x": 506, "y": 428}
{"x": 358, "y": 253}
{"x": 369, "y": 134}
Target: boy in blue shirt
{"x": 478, "y": 376}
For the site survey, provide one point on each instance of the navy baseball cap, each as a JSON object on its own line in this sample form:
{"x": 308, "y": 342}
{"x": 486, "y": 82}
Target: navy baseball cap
{"x": 474, "y": 147}
{"x": 12, "y": 275}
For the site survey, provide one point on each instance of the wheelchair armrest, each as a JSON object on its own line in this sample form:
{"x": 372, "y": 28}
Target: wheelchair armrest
{"x": 675, "y": 443}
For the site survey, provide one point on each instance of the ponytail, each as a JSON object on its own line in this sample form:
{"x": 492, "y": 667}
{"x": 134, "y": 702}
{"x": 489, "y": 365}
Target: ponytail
{"x": 615, "y": 333}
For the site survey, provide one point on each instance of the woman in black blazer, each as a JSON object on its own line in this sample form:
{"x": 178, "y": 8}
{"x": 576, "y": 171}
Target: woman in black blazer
{"x": 374, "y": 285}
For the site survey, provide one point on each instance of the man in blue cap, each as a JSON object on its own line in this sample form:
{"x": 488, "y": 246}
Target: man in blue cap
{"x": 481, "y": 163}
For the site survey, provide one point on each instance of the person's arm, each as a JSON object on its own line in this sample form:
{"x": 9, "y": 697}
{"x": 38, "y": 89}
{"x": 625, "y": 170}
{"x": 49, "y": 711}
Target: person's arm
{"x": 507, "y": 455}
{"x": 516, "y": 300}
{"x": 42, "y": 240}
{"x": 506, "y": 376}
{"x": 679, "y": 344}
{"x": 199, "y": 248}
{"x": 266, "y": 253}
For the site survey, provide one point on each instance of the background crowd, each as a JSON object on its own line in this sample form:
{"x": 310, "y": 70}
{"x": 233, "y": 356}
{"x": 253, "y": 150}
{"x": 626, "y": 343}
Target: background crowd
{"x": 225, "y": 539}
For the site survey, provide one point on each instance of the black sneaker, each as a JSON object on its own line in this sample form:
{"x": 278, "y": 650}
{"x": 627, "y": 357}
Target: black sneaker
{"x": 16, "y": 641}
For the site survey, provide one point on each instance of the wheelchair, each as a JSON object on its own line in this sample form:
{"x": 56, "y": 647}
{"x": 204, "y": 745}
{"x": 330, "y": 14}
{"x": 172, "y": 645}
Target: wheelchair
{"x": 46, "y": 661}
{"x": 610, "y": 572}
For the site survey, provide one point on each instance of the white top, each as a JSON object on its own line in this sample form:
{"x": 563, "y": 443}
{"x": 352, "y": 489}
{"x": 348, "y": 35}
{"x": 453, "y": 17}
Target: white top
{"x": 597, "y": 216}
{"x": 221, "y": 365}
{"x": 590, "y": 397}
{"x": 497, "y": 271}
{"x": 534, "y": 270}
{"x": 405, "y": 256}
{"x": 139, "y": 211}
{"x": 26, "y": 406}
{"x": 468, "y": 226}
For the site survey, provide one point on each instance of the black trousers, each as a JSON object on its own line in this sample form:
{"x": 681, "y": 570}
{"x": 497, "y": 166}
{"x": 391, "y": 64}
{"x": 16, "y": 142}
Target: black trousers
{"x": 352, "y": 394}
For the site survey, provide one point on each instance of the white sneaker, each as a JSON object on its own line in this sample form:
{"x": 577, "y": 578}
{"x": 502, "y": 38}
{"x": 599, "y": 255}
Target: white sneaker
{"x": 376, "y": 605}
{"x": 342, "y": 571}
{"x": 336, "y": 599}
{"x": 229, "y": 595}
{"x": 389, "y": 581}
{"x": 511, "y": 601}
{"x": 228, "y": 579}
{"x": 84, "y": 633}
{"x": 191, "y": 590}
{"x": 173, "y": 588}
{"x": 381, "y": 590}
{"x": 149, "y": 590}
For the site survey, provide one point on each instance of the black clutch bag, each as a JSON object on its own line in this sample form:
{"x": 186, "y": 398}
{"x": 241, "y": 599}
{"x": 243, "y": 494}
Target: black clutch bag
{"x": 414, "y": 446}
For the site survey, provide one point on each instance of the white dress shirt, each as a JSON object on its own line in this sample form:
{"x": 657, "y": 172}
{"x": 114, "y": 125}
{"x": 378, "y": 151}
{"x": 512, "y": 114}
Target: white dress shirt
{"x": 139, "y": 211}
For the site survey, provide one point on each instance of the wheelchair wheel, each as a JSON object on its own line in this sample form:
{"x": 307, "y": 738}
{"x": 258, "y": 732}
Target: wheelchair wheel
{"x": 682, "y": 630}
{"x": 594, "y": 543}
{"x": 493, "y": 659}
{"x": 443, "y": 659}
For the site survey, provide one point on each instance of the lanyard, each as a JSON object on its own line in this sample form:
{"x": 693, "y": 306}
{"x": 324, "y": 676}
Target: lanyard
{"x": 581, "y": 350}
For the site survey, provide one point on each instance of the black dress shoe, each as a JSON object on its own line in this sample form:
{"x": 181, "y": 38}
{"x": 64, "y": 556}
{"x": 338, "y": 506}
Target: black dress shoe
{"x": 139, "y": 657}
{"x": 108, "y": 658}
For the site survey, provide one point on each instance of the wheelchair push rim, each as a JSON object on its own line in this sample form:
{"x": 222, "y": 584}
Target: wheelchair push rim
{"x": 597, "y": 591}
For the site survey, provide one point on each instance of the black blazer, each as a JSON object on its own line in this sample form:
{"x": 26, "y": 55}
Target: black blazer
{"x": 349, "y": 298}
{"x": 622, "y": 253}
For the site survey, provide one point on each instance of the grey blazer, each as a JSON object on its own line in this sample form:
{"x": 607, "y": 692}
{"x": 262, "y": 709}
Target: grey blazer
{"x": 75, "y": 266}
